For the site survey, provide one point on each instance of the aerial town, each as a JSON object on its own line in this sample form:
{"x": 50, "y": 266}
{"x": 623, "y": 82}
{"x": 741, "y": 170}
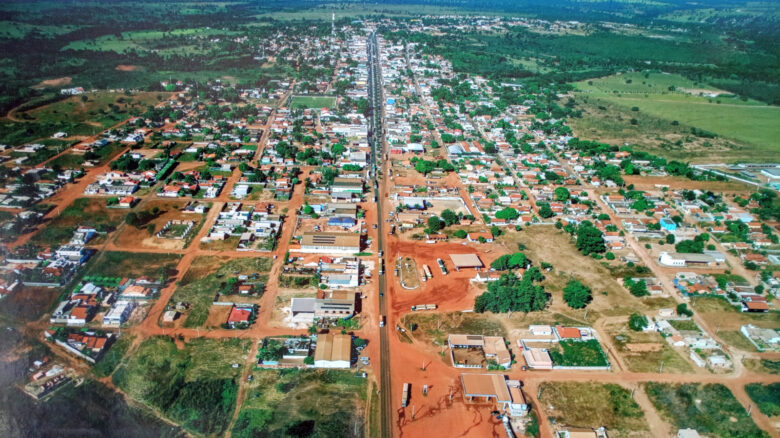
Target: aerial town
{"x": 376, "y": 242}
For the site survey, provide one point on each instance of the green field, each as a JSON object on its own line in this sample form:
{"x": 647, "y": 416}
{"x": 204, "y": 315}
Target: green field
{"x": 747, "y": 121}
{"x": 710, "y": 409}
{"x": 133, "y": 264}
{"x": 96, "y": 111}
{"x": 164, "y": 42}
{"x": 18, "y": 30}
{"x": 304, "y": 102}
{"x": 766, "y": 397}
{"x": 194, "y": 386}
{"x": 88, "y": 212}
{"x": 294, "y": 402}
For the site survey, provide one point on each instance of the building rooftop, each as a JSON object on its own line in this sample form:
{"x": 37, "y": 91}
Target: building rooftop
{"x": 333, "y": 347}
{"x": 486, "y": 385}
{"x": 466, "y": 260}
{"x": 330, "y": 239}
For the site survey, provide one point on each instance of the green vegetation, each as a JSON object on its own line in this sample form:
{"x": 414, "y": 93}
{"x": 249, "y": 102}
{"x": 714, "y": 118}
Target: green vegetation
{"x": 766, "y": 397}
{"x": 133, "y": 264}
{"x": 292, "y": 402}
{"x": 112, "y": 357}
{"x": 87, "y": 212}
{"x": 637, "y": 322}
{"x": 672, "y": 97}
{"x": 593, "y": 405}
{"x": 195, "y": 386}
{"x": 316, "y": 102}
{"x": 512, "y": 294}
{"x": 710, "y": 409}
{"x": 576, "y": 294}
{"x": 570, "y": 353}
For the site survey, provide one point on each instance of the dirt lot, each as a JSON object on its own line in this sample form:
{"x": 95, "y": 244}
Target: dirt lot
{"x": 217, "y": 316}
{"x": 440, "y": 205}
{"x": 305, "y": 225}
{"x": 133, "y": 237}
{"x": 644, "y": 352}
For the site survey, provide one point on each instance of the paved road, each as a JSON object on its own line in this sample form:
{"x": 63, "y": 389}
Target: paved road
{"x": 377, "y": 142}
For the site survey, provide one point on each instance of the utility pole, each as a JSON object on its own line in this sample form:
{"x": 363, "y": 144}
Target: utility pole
{"x": 661, "y": 371}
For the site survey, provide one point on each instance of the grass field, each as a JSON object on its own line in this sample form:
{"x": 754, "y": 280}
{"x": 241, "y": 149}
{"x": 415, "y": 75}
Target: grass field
{"x": 719, "y": 313}
{"x": 110, "y": 360}
{"x": 766, "y": 397}
{"x": 202, "y": 281}
{"x": 710, "y": 409}
{"x": 303, "y": 102}
{"x": 173, "y": 41}
{"x": 735, "y": 338}
{"x": 296, "y": 402}
{"x": 133, "y": 264}
{"x": 762, "y": 365}
{"x": 194, "y": 385}
{"x": 647, "y": 360}
{"x": 86, "y": 212}
{"x": 593, "y": 405}
{"x": 96, "y": 110}
{"x": 745, "y": 121}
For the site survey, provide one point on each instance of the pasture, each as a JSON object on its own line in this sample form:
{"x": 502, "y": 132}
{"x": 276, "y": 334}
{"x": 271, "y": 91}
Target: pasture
{"x": 672, "y": 98}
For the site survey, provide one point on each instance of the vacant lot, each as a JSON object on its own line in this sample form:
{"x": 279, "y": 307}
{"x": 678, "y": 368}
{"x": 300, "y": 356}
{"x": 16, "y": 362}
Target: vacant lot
{"x": 302, "y": 403}
{"x": 594, "y": 405}
{"x": 409, "y": 277}
{"x": 644, "y": 352}
{"x": 710, "y": 409}
{"x": 435, "y": 328}
{"x": 303, "y": 102}
{"x": 762, "y": 365}
{"x": 203, "y": 280}
{"x": 719, "y": 313}
{"x": 194, "y": 386}
{"x": 133, "y": 264}
{"x": 86, "y": 212}
{"x": 133, "y": 237}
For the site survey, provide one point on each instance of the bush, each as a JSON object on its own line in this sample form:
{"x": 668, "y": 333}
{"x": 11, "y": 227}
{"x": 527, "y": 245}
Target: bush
{"x": 682, "y": 309}
{"x": 637, "y": 322}
{"x": 460, "y": 234}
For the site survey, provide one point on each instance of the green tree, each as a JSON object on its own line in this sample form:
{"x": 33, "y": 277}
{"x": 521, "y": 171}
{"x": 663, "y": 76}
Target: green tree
{"x": 509, "y": 293}
{"x": 435, "y": 224}
{"x": 637, "y": 322}
{"x": 589, "y": 239}
{"x": 460, "y": 234}
{"x": 576, "y": 294}
{"x": 562, "y": 194}
{"x": 508, "y": 213}
{"x": 450, "y": 217}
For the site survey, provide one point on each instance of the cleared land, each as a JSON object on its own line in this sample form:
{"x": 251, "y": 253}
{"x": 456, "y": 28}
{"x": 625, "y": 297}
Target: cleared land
{"x": 434, "y": 328}
{"x": 594, "y": 405}
{"x": 710, "y": 409}
{"x": 101, "y": 110}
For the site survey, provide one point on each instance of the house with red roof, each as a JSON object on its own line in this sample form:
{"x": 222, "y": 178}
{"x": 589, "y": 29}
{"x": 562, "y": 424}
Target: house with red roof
{"x": 240, "y": 316}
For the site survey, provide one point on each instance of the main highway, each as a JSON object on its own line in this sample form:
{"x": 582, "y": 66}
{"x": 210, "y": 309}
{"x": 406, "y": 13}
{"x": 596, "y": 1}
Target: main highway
{"x": 376, "y": 140}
